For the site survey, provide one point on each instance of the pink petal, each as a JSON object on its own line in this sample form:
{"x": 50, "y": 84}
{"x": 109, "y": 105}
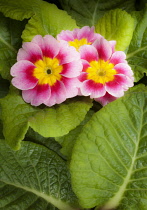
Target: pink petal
{"x": 123, "y": 68}
{"x": 52, "y": 46}
{"x": 85, "y": 65}
{"x": 29, "y": 51}
{"x": 86, "y": 32}
{"x": 118, "y": 57}
{"x": 24, "y": 80}
{"x": 124, "y": 80}
{"x": 21, "y": 67}
{"x": 83, "y": 76}
{"x": 39, "y": 40}
{"x": 104, "y": 48}
{"x": 112, "y": 44}
{"x": 114, "y": 88}
{"x": 65, "y": 35}
{"x": 38, "y": 95}
{"x": 92, "y": 89}
{"x": 71, "y": 85}
{"x": 67, "y": 54}
{"x": 72, "y": 69}
{"x": 107, "y": 98}
{"x": 58, "y": 94}
{"x": 88, "y": 53}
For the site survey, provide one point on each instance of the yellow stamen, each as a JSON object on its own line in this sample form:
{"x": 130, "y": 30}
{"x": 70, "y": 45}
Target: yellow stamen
{"x": 47, "y": 71}
{"x": 101, "y": 71}
{"x": 77, "y": 43}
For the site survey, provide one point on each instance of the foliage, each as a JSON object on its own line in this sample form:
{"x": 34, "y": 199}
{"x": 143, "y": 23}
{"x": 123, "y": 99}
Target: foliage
{"x": 75, "y": 155}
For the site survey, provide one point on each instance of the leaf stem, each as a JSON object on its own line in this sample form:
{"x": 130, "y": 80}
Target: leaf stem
{"x": 135, "y": 52}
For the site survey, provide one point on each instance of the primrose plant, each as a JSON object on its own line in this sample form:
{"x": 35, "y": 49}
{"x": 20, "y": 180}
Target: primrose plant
{"x": 73, "y": 105}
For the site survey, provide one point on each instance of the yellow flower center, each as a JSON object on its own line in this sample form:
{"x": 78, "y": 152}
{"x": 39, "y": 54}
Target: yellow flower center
{"x": 101, "y": 71}
{"x": 77, "y": 43}
{"x": 47, "y": 71}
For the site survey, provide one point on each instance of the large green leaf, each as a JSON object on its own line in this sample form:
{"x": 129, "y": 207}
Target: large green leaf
{"x": 32, "y": 178}
{"x": 87, "y": 12}
{"x": 15, "y": 115}
{"x": 48, "y": 20}
{"x": 58, "y": 120}
{"x": 50, "y": 143}
{"x": 137, "y": 51}
{"x": 19, "y": 9}
{"x": 69, "y": 139}
{"x": 109, "y": 160}
{"x": 116, "y": 25}
{"x": 10, "y": 42}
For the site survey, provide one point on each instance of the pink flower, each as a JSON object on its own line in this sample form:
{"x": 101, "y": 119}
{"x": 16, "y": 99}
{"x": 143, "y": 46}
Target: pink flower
{"x": 79, "y": 37}
{"x": 106, "y": 74}
{"x": 46, "y": 71}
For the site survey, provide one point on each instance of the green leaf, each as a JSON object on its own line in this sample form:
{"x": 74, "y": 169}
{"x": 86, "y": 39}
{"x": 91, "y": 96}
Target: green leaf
{"x": 69, "y": 140}
{"x": 50, "y": 143}
{"x": 15, "y": 115}
{"x": 10, "y": 41}
{"x": 87, "y": 12}
{"x": 4, "y": 87}
{"x": 109, "y": 159}
{"x": 19, "y": 9}
{"x": 137, "y": 51}
{"x": 49, "y": 20}
{"x": 34, "y": 177}
{"x": 58, "y": 120}
{"x": 116, "y": 25}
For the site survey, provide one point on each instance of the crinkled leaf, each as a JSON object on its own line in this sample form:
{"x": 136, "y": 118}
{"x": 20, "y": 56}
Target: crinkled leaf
{"x": 34, "y": 177}
{"x": 69, "y": 140}
{"x": 58, "y": 120}
{"x": 116, "y": 25}
{"x": 49, "y": 20}
{"x": 15, "y": 115}
{"x": 50, "y": 143}
{"x": 137, "y": 51}
{"x": 19, "y": 9}
{"x": 109, "y": 159}
{"x": 10, "y": 42}
{"x": 87, "y": 12}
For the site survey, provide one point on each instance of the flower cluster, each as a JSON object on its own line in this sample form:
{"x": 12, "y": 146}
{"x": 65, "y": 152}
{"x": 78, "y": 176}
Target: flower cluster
{"x": 78, "y": 62}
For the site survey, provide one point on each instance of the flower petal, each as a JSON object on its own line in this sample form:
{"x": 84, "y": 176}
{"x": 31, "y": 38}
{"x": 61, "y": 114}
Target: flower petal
{"x": 118, "y": 57}
{"x": 92, "y": 89}
{"x": 58, "y": 94}
{"x": 39, "y": 40}
{"x": 29, "y": 51}
{"x": 72, "y": 69}
{"x": 124, "y": 81}
{"x": 65, "y": 35}
{"x": 123, "y": 68}
{"x": 24, "y": 80}
{"x": 114, "y": 88}
{"x": 38, "y": 95}
{"x": 83, "y": 76}
{"x": 85, "y": 65}
{"x": 67, "y": 54}
{"x": 104, "y": 48}
{"x": 72, "y": 85}
{"x": 52, "y": 46}
{"x": 85, "y": 32}
{"x": 88, "y": 53}
{"x": 107, "y": 98}
{"x": 112, "y": 44}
